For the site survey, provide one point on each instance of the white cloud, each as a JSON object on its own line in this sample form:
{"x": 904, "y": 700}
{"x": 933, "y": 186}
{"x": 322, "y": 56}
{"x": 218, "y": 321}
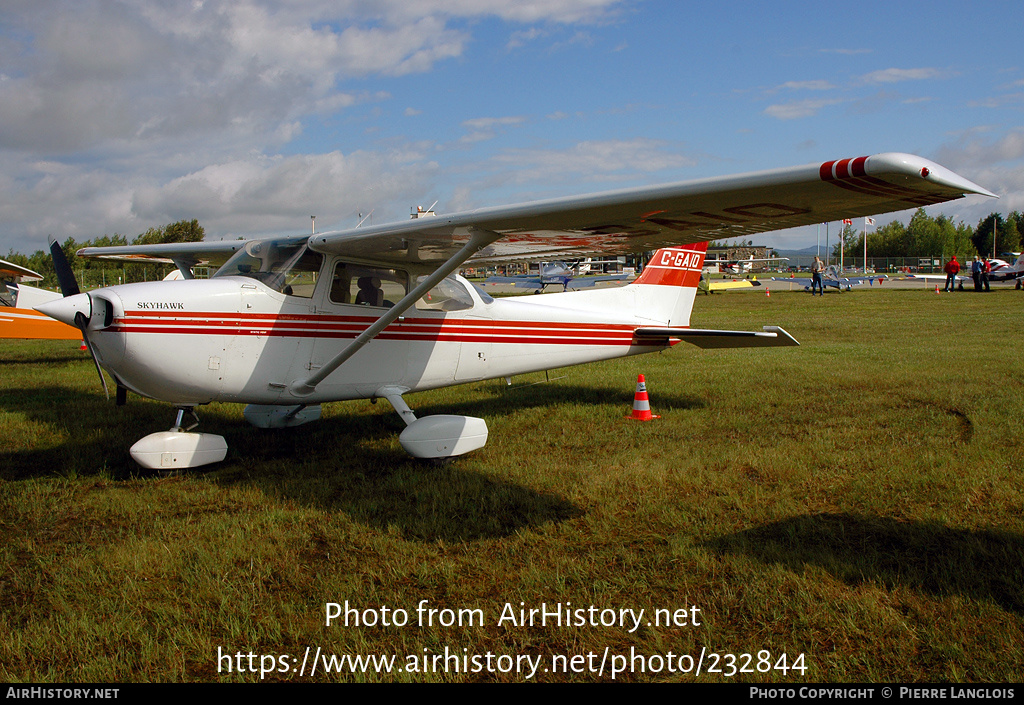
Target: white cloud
{"x": 155, "y": 108}
{"x": 899, "y": 75}
{"x": 595, "y": 159}
{"x": 972, "y": 152}
{"x": 103, "y": 70}
{"x": 277, "y": 193}
{"x": 799, "y": 109}
{"x": 847, "y": 52}
{"x": 481, "y": 129}
{"x": 818, "y": 85}
{"x": 998, "y": 101}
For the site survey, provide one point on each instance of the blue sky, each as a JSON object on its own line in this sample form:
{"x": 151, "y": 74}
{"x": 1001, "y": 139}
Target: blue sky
{"x": 117, "y": 116}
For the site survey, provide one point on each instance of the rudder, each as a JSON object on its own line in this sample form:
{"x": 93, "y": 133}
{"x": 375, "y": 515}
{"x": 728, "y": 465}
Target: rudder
{"x": 668, "y": 284}
{"x": 675, "y": 266}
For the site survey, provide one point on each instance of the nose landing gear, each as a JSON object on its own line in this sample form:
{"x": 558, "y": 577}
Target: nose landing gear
{"x": 179, "y": 448}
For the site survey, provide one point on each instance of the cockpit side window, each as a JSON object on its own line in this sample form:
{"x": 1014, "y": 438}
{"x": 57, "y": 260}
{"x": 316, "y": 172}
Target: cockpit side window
{"x": 368, "y": 286}
{"x": 288, "y": 268}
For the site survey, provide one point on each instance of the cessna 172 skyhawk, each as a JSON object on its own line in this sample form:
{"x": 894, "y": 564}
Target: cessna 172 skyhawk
{"x": 378, "y": 312}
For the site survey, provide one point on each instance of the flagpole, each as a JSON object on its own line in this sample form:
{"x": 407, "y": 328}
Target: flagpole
{"x": 865, "y": 247}
{"x": 826, "y": 245}
{"x": 867, "y": 222}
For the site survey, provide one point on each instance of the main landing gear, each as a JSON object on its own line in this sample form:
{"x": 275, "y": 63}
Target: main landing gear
{"x": 436, "y": 437}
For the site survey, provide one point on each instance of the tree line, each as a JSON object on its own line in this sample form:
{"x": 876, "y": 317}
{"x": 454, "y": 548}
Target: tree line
{"x": 925, "y": 236}
{"x": 97, "y": 272}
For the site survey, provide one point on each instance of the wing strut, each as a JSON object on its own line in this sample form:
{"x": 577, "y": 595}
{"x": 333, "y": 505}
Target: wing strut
{"x": 477, "y": 241}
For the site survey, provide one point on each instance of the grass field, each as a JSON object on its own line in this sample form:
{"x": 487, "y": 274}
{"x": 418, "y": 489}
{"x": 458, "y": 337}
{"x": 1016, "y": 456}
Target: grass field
{"x": 851, "y": 507}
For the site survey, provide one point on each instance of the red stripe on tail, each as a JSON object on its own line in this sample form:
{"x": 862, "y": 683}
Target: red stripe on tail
{"x": 675, "y": 266}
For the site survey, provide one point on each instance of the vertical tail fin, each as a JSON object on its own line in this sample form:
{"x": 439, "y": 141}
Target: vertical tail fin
{"x": 667, "y": 286}
{"x": 662, "y": 295}
{"x": 675, "y": 266}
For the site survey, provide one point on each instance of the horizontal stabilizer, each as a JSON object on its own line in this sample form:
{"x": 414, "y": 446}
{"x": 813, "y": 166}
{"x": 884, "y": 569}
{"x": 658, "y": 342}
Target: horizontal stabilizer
{"x": 773, "y": 336}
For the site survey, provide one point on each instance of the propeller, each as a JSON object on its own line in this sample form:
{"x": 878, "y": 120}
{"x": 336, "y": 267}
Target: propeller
{"x": 69, "y": 287}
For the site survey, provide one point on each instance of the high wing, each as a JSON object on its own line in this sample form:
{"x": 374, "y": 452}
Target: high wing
{"x": 620, "y": 222}
{"x": 567, "y": 280}
{"x": 840, "y": 283}
{"x": 641, "y": 219}
{"x": 938, "y": 277}
{"x": 16, "y": 273}
{"x": 181, "y": 254}
{"x": 594, "y": 279}
{"x": 726, "y": 284}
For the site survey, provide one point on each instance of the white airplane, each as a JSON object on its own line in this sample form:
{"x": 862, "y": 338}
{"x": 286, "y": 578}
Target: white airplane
{"x": 832, "y": 278}
{"x": 740, "y": 266}
{"x": 558, "y": 273}
{"x": 377, "y": 312}
{"x": 18, "y": 317}
{"x": 1001, "y": 271}
{"x": 1004, "y": 271}
{"x": 712, "y": 286}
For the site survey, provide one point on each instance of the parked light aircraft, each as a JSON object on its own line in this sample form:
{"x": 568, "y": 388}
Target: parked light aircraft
{"x": 18, "y": 317}
{"x": 739, "y": 266}
{"x": 832, "y": 278}
{"x": 711, "y": 286}
{"x": 1001, "y": 271}
{"x": 1004, "y": 271}
{"x": 960, "y": 279}
{"x": 378, "y": 312}
{"x": 558, "y": 273}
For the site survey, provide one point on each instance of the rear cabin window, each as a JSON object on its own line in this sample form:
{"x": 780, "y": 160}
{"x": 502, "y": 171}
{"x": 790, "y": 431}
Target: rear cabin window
{"x": 447, "y": 295}
{"x": 368, "y": 286}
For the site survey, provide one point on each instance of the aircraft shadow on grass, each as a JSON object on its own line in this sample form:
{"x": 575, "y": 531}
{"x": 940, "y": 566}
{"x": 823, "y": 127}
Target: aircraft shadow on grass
{"x": 925, "y": 556}
{"x": 508, "y": 399}
{"x": 337, "y": 464}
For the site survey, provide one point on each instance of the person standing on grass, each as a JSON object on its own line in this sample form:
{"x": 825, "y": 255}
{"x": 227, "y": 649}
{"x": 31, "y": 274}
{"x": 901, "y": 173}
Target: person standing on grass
{"x": 951, "y": 269}
{"x": 976, "y": 274}
{"x": 986, "y": 269}
{"x": 816, "y": 269}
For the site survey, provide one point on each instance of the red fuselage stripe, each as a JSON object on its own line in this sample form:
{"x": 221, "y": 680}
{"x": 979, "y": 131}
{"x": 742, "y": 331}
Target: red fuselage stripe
{"x": 421, "y": 329}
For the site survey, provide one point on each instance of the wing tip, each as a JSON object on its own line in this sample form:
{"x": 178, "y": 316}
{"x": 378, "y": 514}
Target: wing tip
{"x": 852, "y": 171}
{"x": 913, "y": 165}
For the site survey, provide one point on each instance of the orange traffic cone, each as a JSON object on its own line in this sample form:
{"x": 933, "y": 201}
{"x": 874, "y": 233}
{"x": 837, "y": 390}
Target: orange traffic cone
{"x": 937, "y": 289}
{"x": 767, "y": 293}
{"x": 641, "y": 404}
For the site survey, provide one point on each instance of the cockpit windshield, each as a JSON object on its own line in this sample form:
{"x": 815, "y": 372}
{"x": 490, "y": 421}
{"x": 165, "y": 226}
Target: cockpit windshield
{"x": 286, "y": 266}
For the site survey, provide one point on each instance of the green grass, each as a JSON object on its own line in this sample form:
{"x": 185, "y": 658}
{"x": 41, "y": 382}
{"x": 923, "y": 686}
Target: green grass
{"x": 856, "y": 500}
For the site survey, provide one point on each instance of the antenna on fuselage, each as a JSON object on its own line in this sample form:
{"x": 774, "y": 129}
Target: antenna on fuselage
{"x": 364, "y": 218}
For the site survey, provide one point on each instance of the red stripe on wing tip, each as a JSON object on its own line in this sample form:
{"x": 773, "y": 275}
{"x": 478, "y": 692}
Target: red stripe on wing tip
{"x": 842, "y": 169}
